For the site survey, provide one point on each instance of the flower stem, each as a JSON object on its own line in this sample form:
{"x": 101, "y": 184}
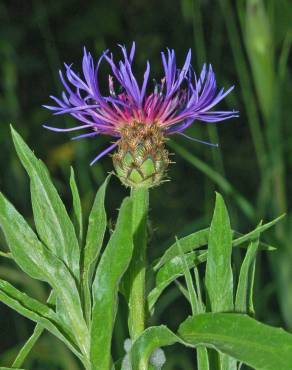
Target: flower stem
{"x": 137, "y": 269}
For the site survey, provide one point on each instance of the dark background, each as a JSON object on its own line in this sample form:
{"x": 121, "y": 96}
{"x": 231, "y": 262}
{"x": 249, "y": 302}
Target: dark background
{"x": 248, "y": 43}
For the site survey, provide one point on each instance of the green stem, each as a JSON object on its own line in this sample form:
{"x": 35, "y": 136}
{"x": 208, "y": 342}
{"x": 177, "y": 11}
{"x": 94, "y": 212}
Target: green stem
{"x": 137, "y": 269}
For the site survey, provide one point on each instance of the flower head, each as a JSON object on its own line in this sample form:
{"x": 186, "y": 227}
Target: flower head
{"x": 139, "y": 119}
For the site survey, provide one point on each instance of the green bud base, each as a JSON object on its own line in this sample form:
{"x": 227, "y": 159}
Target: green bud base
{"x": 141, "y": 160}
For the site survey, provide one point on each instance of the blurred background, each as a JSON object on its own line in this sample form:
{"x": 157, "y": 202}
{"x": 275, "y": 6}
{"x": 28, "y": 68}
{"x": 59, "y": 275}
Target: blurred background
{"x": 248, "y": 43}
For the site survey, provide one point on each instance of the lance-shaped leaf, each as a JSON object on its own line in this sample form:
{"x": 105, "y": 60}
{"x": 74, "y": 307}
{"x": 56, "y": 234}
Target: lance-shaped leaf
{"x": 52, "y": 221}
{"x": 77, "y": 209}
{"x": 200, "y": 238}
{"x": 258, "y": 345}
{"x": 254, "y": 233}
{"x": 187, "y": 243}
{"x": 244, "y": 287}
{"x": 113, "y": 264}
{"x": 170, "y": 272}
{"x": 219, "y": 278}
{"x": 30, "y": 343}
{"x": 168, "y": 267}
{"x": 40, "y": 263}
{"x": 94, "y": 238}
{"x": 37, "y": 312}
{"x": 196, "y": 305}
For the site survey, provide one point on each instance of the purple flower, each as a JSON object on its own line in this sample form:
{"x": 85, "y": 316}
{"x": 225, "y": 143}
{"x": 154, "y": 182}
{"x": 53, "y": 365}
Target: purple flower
{"x": 179, "y": 99}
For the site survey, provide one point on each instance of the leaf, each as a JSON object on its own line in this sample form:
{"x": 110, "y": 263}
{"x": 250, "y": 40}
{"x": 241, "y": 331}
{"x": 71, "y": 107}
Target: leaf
{"x": 76, "y": 206}
{"x": 170, "y": 272}
{"x": 258, "y": 345}
{"x": 36, "y": 311}
{"x": 26, "y": 249}
{"x": 152, "y": 338}
{"x": 251, "y": 309}
{"x": 29, "y": 344}
{"x": 5, "y": 255}
{"x": 40, "y": 263}
{"x": 243, "y": 286}
{"x": 218, "y": 277}
{"x": 51, "y": 218}
{"x": 189, "y": 281}
{"x": 196, "y": 305}
{"x": 96, "y": 226}
{"x": 262, "y": 246}
{"x": 199, "y": 290}
{"x": 183, "y": 290}
{"x": 113, "y": 264}
{"x": 254, "y": 233}
{"x": 200, "y": 238}
{"x": 94, "y": 238}
{"x": 168, "y": 265}
{"x": 188, "y": 244}
{"x": 9, "y": 368}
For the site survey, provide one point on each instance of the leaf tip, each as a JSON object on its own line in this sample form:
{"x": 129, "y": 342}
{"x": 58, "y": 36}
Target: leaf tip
{"x": 218, "y": 196}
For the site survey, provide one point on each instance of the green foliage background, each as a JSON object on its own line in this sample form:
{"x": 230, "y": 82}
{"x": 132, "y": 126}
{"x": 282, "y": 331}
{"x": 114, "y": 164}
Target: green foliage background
{"x": 248, "y": 44}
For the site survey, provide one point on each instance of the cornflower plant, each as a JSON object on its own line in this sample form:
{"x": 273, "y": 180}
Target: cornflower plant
{"x": 86, "y": 275}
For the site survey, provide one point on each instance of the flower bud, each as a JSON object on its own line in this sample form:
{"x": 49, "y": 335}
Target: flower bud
{"x": 141, "y": 159}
